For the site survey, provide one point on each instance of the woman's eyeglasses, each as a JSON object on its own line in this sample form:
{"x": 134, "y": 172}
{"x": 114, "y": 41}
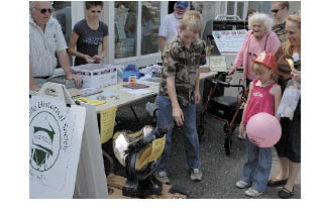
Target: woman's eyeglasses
{"x": 44, "y": 10}
{"x": 276, "y": 10}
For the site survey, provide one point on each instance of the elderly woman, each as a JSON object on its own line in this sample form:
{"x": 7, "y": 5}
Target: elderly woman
{"x": 258, "y": 38}
{"x": 289, "y": 146}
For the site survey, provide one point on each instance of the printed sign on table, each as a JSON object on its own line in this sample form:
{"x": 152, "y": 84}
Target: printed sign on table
{"x": 229, "y": 42}
{"x": 107, "y": 119}
{"x": 218, "y": 64}
{"x": 55, "y": 135}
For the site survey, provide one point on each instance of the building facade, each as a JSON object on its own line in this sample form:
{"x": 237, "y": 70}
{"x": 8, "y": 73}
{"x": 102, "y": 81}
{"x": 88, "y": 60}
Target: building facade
{"x": 133, "y": 25}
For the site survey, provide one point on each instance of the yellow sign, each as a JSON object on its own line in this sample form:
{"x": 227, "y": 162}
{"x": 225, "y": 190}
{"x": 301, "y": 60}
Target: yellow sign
{"x": 90, "y": 101}
{"x": 107, "y": 118}
{"x": 153, "y": 152}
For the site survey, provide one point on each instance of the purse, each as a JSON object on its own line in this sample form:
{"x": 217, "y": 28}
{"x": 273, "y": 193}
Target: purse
{"x": 290, "y": 99}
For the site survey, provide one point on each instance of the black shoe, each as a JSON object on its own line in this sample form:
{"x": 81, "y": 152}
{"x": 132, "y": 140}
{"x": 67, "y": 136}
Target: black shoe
{"x": 285, "y": 193}
{"x": 274, "y": 182}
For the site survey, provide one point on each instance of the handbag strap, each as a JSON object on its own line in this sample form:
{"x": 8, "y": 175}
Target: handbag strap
{"x": 265, "y": 44}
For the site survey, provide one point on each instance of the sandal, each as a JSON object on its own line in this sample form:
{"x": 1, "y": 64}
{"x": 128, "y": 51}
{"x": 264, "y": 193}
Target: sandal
{"x": 285, "y": 193}
{"x": 275, "y": 182}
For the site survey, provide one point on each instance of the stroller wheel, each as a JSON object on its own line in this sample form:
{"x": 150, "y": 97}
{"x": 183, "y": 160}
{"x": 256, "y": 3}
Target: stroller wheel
{"x": 226, "y": 128}
{"x": 227, "y": 145}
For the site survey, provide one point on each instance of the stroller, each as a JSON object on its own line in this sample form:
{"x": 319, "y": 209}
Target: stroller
{"x": 225, "y": 108}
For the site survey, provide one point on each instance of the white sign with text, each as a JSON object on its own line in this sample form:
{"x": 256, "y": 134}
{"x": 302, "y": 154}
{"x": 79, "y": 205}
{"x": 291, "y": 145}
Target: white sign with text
{"x": 229, "y": 42}
{"x": 55, "y": 135}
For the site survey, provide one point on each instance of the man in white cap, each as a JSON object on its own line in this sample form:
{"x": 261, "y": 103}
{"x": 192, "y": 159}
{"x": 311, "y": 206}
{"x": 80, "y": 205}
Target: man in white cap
{"x": 170, "y": 26}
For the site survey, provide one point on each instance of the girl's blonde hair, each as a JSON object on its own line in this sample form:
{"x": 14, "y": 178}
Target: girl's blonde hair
{"x": 260, "y": 68}
{"x": 192, "y": 20}
{"x": 287, "y": 47}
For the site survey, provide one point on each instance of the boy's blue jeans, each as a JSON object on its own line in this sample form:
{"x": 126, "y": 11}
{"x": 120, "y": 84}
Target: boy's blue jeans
{"x": 191, "y": 142}
{"x": 258, "y": 166}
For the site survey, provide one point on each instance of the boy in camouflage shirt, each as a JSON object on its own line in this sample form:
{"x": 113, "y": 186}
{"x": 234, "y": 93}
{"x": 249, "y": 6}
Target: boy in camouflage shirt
{"x": 183, "y": 63}
{"x": 179, "y": 92}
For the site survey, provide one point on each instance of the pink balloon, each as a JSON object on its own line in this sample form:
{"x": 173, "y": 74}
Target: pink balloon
{"x": 264, "y": 130}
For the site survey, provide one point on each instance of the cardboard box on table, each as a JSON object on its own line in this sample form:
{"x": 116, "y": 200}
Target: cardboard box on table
{"x": 96, "y": 75}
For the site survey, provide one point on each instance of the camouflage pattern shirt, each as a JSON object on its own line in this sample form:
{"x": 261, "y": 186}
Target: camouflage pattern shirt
{"x": 182, "y": 63}
{"x": 279, "y": 29}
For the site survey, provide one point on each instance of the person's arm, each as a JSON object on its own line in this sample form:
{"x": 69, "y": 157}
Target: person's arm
{"x": 276, "y": 91}
{"x": 163, "y": 33}
{"x": 177, "y": 113}
{"x": 197, "y": 91}
{"x": 162, "y": 43}
{"x": 169, "y": 73}
{"x": 72, "y": 48}
{"x": 65, "y": 64}
{"x": 32, "y": 85}
{"x": 239, "y": 59}
{"x": 202, "y": 62}
{"x": 99, "y": 57}
{"x": 241, "y": 127}
{"x": 296, "y": 75}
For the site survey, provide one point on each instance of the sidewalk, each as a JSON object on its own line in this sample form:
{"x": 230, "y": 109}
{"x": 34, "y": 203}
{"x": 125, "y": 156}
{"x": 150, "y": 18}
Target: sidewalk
{"x": 220, "y": 172}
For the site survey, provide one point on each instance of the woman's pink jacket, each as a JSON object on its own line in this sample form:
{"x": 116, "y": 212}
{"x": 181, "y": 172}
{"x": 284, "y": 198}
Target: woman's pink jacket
{"x": 272, "y": 45}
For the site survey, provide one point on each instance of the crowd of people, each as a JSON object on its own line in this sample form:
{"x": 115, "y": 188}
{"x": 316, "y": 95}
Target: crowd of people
{"x": 268, "y": 45}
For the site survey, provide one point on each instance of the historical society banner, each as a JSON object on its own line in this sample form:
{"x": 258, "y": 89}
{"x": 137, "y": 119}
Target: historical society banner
{"x": 55, "y": 135}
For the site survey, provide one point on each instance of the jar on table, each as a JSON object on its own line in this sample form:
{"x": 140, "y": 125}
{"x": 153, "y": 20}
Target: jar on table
{"x": 132, "y": 79}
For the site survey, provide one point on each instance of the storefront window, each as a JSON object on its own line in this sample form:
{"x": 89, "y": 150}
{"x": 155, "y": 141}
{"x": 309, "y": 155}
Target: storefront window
{"x": 196, "y": 5}
{"x": 236, "y": 8}
{"x": 125, "y": 26}
{"x": 62, "y": 12}
{"x": 240, "y": 9}
{"x": 150, "y": 26}
{"x": 230, "y": 7}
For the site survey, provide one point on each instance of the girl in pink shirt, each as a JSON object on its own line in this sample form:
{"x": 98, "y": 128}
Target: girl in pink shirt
{"x": 264, "y": 96}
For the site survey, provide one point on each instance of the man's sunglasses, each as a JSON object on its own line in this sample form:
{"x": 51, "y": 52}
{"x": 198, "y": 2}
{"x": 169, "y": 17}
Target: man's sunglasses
{"x": 44, "y": 10}
{"x": 276, "y": 10}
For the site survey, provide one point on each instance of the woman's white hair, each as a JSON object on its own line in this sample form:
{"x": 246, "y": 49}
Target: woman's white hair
{"x": 262, "y": 18}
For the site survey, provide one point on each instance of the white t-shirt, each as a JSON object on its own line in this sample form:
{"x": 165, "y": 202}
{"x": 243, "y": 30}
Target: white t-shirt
{"x": 43, "y": 46}
{"x": 169, "y": 27}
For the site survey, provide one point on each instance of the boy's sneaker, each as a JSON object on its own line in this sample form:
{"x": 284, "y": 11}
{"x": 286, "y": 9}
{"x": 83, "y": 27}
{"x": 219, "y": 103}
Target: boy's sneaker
{"x": 242, "y": 184}
{"x": 251, "y": 192}
{"x": 195, "y": 175}
{"x": 162, "y": 176}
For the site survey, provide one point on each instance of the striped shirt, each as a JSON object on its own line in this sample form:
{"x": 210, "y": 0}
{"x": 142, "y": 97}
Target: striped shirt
{"x": 43, "y": 46}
